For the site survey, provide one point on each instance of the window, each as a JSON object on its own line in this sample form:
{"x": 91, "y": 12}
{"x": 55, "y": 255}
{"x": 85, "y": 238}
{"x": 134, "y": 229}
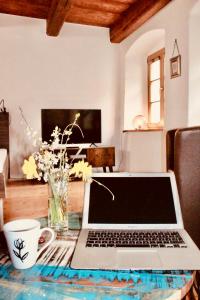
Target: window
{"x": 156, "y": 88}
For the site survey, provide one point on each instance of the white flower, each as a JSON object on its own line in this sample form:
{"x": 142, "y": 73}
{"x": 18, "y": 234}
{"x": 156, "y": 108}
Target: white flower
{"x": 67, "y": 132}
{"x": 49, "y": 159}
{"x": 55, "y": 143}
{"x": 45, "y": 176}
{"x": 28, "y": 132}
{"x": 56, "y": 132}
{"x": 34, "y": 133}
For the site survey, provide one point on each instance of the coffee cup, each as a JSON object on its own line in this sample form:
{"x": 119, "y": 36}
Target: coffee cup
{"x": 22, "y": 238}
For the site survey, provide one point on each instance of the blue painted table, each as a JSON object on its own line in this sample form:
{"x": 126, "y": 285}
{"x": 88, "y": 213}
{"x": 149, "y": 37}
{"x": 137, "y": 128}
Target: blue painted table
{"x": 59, "y": 282}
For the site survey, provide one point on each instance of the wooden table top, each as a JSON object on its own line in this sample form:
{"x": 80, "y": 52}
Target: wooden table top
{"x": 60, "y": 282}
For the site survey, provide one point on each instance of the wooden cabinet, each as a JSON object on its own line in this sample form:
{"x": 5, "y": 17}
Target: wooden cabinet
{"x": 101, "y": 157}
{"x": 4, "y": 134}
{"x": 98, "y": 157}
{"x": 4, "y": 130}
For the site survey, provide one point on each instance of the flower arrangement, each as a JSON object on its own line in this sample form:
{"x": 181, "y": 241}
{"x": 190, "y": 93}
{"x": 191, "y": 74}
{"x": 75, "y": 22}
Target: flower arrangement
{"x": 51, "y": 163}
{"x": 52, "y": 156}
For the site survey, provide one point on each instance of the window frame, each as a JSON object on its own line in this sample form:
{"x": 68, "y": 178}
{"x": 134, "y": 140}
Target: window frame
{"x": 158, "y": 55}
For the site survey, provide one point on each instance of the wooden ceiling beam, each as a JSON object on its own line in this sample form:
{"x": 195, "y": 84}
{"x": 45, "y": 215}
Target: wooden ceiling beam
{"x": 56, "y": 17}
{"x": 111, "y": 6}
{"x": 125, "y": 1}
{"x": 33, "y": 9}
{"x": 137, "y": 14}
{"x": 90, "y": 17}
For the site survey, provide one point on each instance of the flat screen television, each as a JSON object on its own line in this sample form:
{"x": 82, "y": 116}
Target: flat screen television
{"x": 89, "y": 121}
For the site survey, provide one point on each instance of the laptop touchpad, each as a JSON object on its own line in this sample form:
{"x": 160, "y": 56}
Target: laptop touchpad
{"x": 134, "y": 259}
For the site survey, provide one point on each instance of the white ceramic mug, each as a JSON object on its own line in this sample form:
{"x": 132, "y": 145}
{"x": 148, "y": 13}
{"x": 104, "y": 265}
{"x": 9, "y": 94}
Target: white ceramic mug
{"x": 22, "y": 238}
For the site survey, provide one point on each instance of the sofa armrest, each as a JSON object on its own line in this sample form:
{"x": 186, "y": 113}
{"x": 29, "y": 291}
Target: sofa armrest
{"x": 2, "y": 186}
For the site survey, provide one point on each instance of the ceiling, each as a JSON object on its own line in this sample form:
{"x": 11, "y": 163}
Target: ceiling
{"x": 122, "y": 17}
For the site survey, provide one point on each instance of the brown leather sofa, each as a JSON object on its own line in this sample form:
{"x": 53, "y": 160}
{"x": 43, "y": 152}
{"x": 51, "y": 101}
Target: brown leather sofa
{"x": 183, "y": 157}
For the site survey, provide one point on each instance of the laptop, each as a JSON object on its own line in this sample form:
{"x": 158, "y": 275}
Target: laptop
{"x": 141, "y": 228}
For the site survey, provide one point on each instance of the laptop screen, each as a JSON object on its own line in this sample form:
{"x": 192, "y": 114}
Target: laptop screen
{"x": 138, "y": 200}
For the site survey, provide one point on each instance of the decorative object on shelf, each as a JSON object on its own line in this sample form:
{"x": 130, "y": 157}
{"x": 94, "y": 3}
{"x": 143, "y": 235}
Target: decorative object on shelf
{"x": 139, "y": 122}
{"x": 51, "y": 163}
{"x": 175, "y": 61}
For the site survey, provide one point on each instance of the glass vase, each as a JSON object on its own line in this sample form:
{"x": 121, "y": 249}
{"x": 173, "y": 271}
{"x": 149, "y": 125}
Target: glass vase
{"x": 57, "y": 204}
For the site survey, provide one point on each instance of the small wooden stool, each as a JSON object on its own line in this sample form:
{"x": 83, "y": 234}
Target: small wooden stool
{"x": 101, "y": 157}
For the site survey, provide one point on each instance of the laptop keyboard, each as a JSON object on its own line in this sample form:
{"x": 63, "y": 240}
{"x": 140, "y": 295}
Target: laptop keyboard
{"x": 131, "y": 239}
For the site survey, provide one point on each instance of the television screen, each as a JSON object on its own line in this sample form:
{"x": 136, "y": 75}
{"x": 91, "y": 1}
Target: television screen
{"x": 89, "y": 121}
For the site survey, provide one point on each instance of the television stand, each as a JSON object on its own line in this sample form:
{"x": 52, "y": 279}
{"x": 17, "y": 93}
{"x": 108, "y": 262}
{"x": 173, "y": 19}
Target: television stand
{"x": 97, "y": 157}
{"x": 101, "y": 157}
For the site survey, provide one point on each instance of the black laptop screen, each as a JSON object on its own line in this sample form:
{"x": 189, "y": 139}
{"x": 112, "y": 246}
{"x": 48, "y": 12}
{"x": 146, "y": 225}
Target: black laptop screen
{"x": 138, "y": 200}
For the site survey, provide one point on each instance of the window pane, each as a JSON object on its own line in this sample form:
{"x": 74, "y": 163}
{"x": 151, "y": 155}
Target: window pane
{"x": 155, "y": 70}
{"x": 155, "y": 112}
{"x": 155, "y": 91}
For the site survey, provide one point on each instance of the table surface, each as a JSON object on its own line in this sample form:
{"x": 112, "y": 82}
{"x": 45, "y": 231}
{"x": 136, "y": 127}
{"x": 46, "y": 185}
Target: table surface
{"x": 50, "y": 280}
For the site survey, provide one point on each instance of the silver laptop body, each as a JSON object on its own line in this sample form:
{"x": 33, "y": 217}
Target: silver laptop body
{"x": 134, "y": 227}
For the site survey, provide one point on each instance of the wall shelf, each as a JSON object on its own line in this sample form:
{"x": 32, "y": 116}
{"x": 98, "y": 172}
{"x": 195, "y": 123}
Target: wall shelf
{"x": 143, "y": 130}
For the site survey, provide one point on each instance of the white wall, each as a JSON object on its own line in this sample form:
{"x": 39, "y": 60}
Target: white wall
{"x": 78, "y": 69}
{"x": 135, "y": 98}
{"x": 194, "y": 67}
{"x": 143, "y": 151}
{"x": 174, "y": 20}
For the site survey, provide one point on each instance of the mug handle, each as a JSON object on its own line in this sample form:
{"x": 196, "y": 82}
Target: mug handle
{"x": 53, "y": 236}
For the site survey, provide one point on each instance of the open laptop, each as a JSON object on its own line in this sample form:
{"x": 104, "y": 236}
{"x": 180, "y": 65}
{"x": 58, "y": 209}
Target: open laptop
{"x": 141, "y": 228}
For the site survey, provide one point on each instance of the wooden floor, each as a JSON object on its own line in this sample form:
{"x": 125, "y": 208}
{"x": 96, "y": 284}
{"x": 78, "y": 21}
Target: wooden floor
{"x": 29, "y": 199}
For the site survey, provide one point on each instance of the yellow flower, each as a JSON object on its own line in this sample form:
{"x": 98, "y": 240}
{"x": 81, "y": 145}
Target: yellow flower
{"x": 77, "y": 116}
{"x": 82, "y": 170}
{"x": 29, "y": 168}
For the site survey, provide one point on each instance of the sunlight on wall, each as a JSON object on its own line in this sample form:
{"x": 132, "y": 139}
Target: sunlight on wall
{"x": 136, "y": 74}
{"x": 194, "y": 67}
